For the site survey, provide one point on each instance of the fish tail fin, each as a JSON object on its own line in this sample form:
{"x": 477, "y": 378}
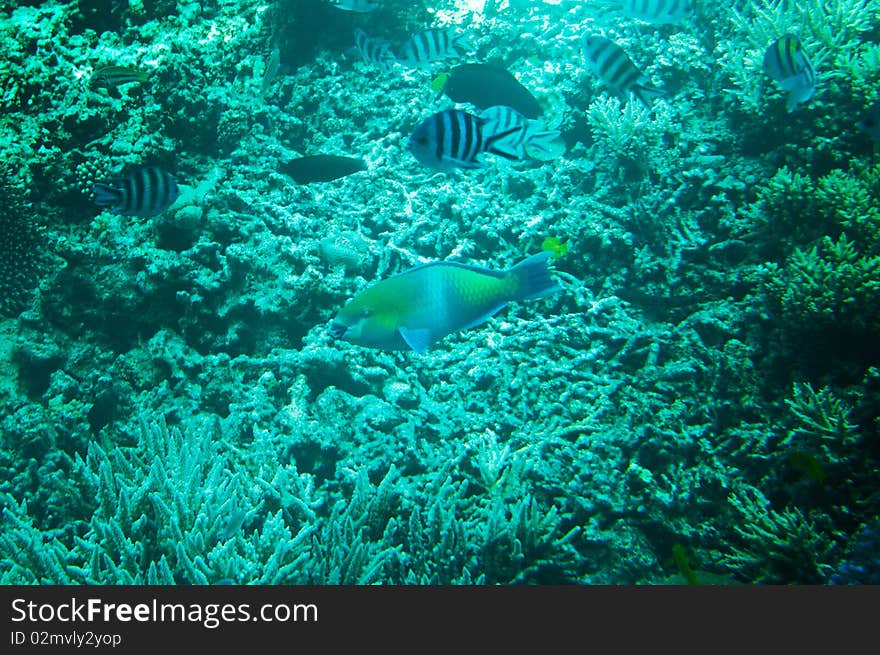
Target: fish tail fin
{"x": 543, "y": 144}
{"x": 461, "y": 43}
{"x": 646, "y": 93}
{"x": 493, "y": 144}
{"x": 533, "y": 277}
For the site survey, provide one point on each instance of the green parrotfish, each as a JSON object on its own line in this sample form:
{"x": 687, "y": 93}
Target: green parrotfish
{"x": 415, "y": 309}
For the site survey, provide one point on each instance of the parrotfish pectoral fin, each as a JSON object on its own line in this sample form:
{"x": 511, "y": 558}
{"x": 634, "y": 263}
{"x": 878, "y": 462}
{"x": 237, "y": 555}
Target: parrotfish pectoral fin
{"x": 485, "y": 317}
{"x": 417, "y": 339}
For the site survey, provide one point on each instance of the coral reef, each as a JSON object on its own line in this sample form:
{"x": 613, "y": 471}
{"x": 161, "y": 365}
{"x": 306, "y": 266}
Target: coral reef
{"x": 175, "y": 410}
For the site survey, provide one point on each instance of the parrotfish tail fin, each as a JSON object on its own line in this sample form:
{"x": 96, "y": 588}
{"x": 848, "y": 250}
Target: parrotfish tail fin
{"x": 495, "y": 143}
{"x": 533, "y": 275}
{"x": 107, "y": 194}
{"x": 646, "y": 93}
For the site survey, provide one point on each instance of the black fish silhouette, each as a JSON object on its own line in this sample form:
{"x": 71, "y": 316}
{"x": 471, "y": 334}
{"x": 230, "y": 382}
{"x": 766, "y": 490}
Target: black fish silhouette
{"x": 321, "y": 168}
{"x": 486, "y": 85}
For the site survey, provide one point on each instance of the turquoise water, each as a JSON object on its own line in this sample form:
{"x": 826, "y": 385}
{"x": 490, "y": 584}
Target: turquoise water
{"x": 698, "y": 403}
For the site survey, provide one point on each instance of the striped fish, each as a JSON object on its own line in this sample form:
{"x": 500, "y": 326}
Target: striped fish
{"x": 614, "y": 67}
{"x": 430, "y": 45}
{"x": 373, "y": 50}
{"x": 526, "y": 138}
{"x": 144, "y": 191}
{"x": 114, "y": 76}
{"x": 786, "y": 61}
{"x": 658, "y": 12}
{"x": 454, "y": 138}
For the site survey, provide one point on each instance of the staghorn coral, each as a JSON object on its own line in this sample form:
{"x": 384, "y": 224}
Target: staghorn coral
{"x": 573, "y": 441}
{"x": 778, "y": 546}
{"x": 831, "y": 285}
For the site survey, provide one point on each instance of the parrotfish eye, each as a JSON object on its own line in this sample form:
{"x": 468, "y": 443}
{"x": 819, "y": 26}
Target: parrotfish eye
{"x": 366, "y": 312}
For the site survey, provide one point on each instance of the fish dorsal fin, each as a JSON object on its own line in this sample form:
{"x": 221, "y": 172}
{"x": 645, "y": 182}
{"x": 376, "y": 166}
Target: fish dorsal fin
{"x": 417, "y": 339}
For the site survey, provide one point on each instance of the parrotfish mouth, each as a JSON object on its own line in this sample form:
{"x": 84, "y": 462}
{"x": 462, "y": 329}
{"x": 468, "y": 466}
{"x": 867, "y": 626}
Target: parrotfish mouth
{"x": 337, "y": 330}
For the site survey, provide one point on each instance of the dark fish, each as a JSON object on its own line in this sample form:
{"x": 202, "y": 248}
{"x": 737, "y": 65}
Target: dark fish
{"x": 321, "y": 168}
{"x": 484, "y": 86}
{"x": 454, "y": 138}
{"x": 114, "y": 76}
{"x": 614, "y": 67}
{"x": 144, "y": 191}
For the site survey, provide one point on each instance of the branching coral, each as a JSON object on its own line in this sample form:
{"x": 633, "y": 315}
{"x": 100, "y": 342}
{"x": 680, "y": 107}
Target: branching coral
{"x": 830, "y": 31}
{"x": 829, "y": 285}
{"x": 823, "y": 424}
{"x": 785, "y": 546}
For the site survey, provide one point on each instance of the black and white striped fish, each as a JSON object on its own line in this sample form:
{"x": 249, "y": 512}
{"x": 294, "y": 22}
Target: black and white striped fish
{"x": 658, "y": 12}
{"x": 614, "y": 67}
{"x": 454, "y": 139}
{"x": 786, "y": 61}
{"x": 144, "y": 191}
{"x": 532, "y": 139}
{"x": 433, "y": 44}
{"x": 374, "y": 50}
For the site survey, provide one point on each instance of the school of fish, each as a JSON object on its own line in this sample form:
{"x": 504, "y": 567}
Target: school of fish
{"x": 415, "y": 309}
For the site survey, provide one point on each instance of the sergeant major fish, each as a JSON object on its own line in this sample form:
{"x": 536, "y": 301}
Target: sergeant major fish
{"x": 430, "y": 45}
{"x": 454, "y": 138}
{"x": 145, "y": 191}
{"x": 531, "y": 139}
{"x": 786, "y": 61}
{"x": 373, "y": 50}
{"x": 415, "y": 309}
{"x": 614, "y": 67}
